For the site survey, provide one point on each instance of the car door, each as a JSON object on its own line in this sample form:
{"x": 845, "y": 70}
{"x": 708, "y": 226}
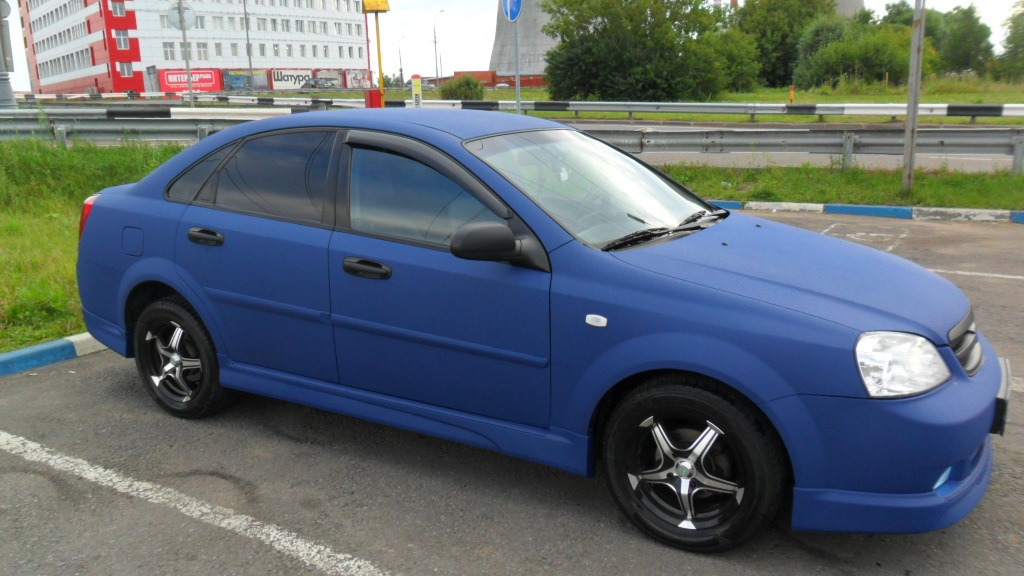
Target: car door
{"x": 255, "y": 242}
{"x": 413, "y": 321}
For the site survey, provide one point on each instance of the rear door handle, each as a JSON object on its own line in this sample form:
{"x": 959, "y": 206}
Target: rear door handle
{"x": 205, "y": 237}
{"x": 364, "y": 268}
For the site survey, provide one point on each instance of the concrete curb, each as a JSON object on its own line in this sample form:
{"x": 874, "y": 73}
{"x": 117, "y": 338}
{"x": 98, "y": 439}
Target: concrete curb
{"x": 48, "y": 353}
{"x": 903, "y": 212}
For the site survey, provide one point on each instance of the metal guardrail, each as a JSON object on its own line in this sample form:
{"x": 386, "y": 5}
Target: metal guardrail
{"x": 187, "y": 125}
{"x": 753, "y": 109}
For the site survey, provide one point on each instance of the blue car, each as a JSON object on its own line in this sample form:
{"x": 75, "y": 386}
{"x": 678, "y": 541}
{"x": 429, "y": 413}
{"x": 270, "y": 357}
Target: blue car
{"x": 514, "y": 284}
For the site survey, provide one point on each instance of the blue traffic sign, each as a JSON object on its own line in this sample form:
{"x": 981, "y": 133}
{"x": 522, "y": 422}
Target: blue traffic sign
{"x": 511, "y": 9}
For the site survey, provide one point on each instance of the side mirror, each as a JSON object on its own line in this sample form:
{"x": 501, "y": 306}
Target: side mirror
{"x": 493, "y": 241}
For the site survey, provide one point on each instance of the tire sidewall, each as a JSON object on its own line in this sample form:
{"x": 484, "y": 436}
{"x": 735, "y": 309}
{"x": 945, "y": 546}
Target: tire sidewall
{"x": 748, "y": 446}
{"x": 156, "y": 316}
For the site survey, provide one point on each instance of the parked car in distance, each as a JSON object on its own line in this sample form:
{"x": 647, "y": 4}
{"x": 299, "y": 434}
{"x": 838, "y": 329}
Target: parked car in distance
{"x": 501, "y": 85}
{"x": 514, "y": 284}
{"x": 320, "y": 83}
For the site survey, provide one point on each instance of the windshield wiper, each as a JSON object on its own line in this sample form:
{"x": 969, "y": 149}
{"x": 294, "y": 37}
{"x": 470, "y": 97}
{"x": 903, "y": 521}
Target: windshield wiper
{"x": 699, "y": 220}
{"x": 636, "y": 238}
{"x": 694, "y": 222}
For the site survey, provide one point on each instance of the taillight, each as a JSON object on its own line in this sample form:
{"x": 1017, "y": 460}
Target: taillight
{"x": 86, "y": 211}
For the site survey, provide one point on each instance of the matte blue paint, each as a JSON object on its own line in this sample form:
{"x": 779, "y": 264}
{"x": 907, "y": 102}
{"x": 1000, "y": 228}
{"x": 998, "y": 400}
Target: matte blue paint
{"x": 36, "y": 356}
{"x": 1017, "y": 216}
{"x": 903, "y": 212}
{"x": 501, "y": 357}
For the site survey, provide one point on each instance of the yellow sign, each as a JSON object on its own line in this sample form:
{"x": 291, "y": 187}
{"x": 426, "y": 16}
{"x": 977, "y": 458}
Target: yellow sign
{"x": 375, "y": 6}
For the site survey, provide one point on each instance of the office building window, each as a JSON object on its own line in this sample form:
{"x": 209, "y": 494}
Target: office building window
{"x": 122, "y": 39}
{"x": 168, "y": 50}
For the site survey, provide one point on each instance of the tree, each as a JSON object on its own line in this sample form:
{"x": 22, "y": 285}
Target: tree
{"x": 967, "y": 45}
{"x": 864, "y": 53}
{"x": 776, "y": 26}
{"x": 646, "y": 50}
{"x": 1011, "y": 62}
{"x": 736, "y": 53}
{"x": 902, "y": 14}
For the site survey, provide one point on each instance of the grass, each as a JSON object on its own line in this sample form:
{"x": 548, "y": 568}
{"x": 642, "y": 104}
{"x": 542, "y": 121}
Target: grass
{"x": 42, "y": 187}
{"x": 41, "y": 192}
{"x": 936, "y": 189}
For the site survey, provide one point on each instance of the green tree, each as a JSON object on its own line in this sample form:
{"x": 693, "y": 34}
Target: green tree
{"x": 738, "y": 58}
{"x": 776, "y": 26}
{"x": 1011, "y": 62}
{"x": 645, "y": 50}
{"x": 967, "y": 45}
{"x": 864, "y": 53}
{"x": 464, "y": 87}
{"x": 902, "y": 14}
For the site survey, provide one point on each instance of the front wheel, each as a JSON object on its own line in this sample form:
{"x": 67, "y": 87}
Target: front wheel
{"x": 176, "y": 360}
{"x": 690, "y": 467}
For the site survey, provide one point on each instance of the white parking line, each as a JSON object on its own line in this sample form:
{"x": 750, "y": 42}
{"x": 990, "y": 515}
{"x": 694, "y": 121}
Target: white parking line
{"x": 982, "y": 274}
{"x": 314, "y": 555}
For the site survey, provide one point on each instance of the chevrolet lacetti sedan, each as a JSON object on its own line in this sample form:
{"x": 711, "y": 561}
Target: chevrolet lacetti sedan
{"x": 510, "y": 283}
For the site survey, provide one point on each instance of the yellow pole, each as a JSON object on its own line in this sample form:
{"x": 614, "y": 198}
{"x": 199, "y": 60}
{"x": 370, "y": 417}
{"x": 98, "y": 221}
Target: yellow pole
{"x": 380, "y": 61}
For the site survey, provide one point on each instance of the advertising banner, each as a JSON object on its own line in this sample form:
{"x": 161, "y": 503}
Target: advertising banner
{"x": 290, "y": 79}
{"x": 238, "y": 79}
{"x": 361, "y": 79}
{"x": 203, "y": 80}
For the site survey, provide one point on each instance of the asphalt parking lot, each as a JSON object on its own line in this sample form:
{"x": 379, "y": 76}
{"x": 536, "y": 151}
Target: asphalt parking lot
{"x": 95, "y": 479}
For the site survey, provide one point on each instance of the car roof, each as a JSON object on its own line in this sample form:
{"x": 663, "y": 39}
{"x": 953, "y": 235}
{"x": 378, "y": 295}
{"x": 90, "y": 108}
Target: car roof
{"x": 462, "y": 124}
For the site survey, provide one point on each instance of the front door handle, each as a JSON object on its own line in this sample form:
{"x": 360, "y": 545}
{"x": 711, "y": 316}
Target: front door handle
{"x": 205, "y": 237}
{"x": 364, "y": 268}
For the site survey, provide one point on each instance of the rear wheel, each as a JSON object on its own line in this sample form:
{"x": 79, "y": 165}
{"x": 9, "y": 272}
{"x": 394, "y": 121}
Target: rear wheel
{"x": 691, "y": 467}
{"x": 176, "y": 359}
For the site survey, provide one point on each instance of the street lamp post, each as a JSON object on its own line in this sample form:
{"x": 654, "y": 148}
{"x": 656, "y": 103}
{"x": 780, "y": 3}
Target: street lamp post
{"x": 437, "y": 77}
{"x": 248, "y": 45}
{"x": 6, "y": 90}
{"x": 401, "y": 71}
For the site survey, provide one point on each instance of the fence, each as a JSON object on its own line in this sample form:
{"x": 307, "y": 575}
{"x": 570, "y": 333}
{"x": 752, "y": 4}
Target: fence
{"x": 188, "y": 124}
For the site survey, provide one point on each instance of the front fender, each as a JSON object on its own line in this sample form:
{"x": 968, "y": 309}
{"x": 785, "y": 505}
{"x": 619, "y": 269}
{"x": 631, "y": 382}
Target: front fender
{"x": 724, "y": 361}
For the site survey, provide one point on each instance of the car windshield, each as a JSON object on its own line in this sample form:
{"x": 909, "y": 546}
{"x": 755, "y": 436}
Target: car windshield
{"x": 597, "y": 193}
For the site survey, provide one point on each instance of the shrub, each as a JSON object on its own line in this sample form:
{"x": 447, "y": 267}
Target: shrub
{"x": 464, "y": 87}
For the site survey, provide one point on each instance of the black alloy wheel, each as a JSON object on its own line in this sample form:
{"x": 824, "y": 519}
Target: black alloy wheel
{"x": 176, "y": 359}
{"x": 692, "y": 467}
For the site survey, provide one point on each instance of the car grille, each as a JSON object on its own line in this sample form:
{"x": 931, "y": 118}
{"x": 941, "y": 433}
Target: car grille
{"x": 964, "y": 341}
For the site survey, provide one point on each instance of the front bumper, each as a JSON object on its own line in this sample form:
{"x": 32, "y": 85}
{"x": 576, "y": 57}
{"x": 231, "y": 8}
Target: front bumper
{"x": 895, "y": 466}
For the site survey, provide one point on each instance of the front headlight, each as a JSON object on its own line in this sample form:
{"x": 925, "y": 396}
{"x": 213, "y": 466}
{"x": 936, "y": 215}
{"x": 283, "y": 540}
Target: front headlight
{"x": 894, "y": 364}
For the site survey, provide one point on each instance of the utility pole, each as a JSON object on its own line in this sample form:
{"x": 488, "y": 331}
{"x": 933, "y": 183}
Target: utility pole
{"x": 248, "y": 45}
{"x": 437, "y": 77}
{"x": 187, "y": 52}
{"x": 916, "y": 56}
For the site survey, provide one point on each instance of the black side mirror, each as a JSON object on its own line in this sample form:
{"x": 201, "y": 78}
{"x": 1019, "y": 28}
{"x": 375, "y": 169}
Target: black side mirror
{"x": 492, "y": 241}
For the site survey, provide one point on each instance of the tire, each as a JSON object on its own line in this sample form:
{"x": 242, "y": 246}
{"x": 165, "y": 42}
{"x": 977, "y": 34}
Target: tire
{"x": 176, "y": 360}
{"x": 692, "y": 467}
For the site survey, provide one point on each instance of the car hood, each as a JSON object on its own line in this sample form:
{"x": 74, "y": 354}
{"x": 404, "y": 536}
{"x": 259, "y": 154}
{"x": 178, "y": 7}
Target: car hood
{"x": 829, "y": 278}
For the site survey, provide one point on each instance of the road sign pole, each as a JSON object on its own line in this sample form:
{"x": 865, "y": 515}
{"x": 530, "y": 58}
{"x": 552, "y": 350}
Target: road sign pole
{"x": 519, "y": 94}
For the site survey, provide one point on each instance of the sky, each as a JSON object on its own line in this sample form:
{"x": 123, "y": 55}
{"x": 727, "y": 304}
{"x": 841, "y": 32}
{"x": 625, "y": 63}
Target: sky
{"x": 465, "y": 34}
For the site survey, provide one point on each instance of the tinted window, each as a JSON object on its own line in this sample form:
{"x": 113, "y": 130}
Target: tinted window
{"x": 282, "y": 175}
{"x": 186, "y": 186}
{"x": 396, "y": 196}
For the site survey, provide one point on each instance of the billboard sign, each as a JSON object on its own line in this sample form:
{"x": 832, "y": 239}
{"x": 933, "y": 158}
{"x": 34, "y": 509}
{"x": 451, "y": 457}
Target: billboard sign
{"x": 290, "y": 79}
{"x": 238, "y": 79}
{"x": 356, "y": 78}
{"x": 203, "y": 80}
